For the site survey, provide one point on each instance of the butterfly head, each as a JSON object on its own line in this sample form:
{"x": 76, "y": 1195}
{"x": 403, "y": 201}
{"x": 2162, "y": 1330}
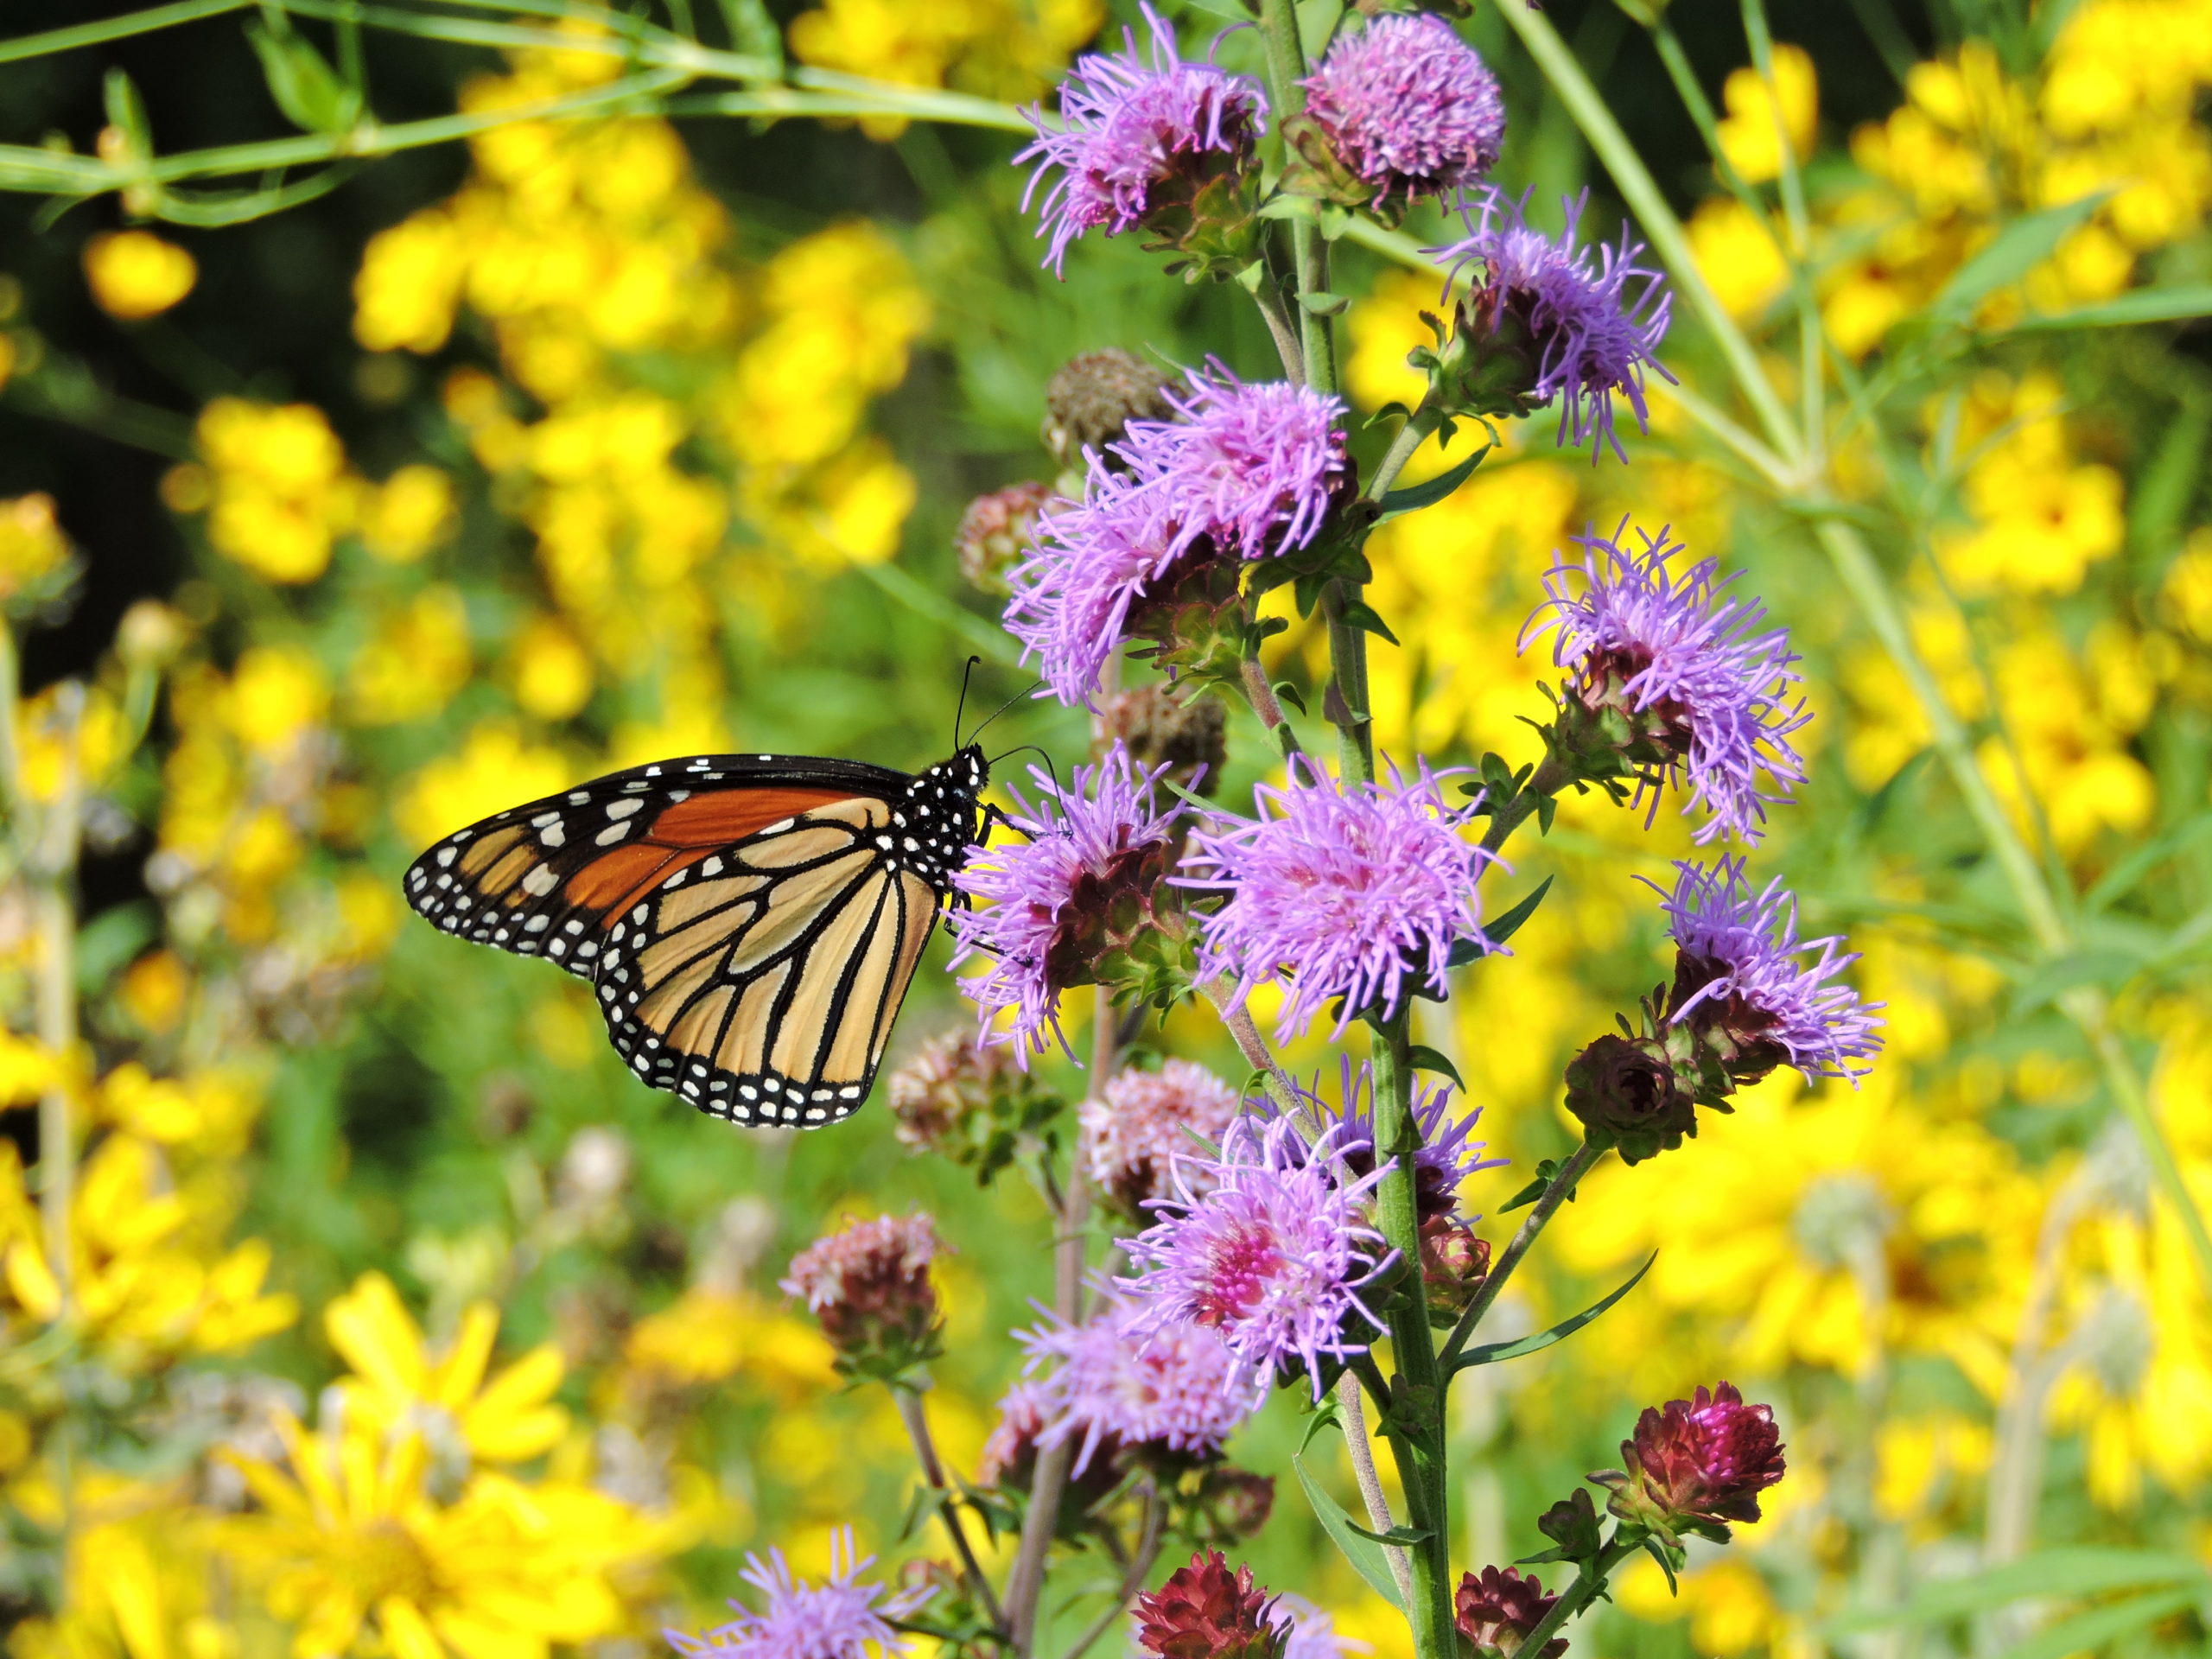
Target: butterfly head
{"x": 938, "y": 819}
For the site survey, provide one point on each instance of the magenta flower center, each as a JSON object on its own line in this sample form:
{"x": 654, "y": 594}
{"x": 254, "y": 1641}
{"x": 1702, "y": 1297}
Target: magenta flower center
{"x": 1244, "y": 1259}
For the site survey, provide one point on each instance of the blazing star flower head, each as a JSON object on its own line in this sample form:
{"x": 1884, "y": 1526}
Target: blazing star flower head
{"x": 1134, "y": 1128}
{"x": 1408, "y": 106}
{"x": 841, "y": 1618}
{"x": 1127, "y": 130}
{"x": 1742, "y": 970}
{"x": 1698, "y": 673}
{"x": 1593, "y": 336}
{"x": 869, "y": 1286}
{"x": 1094, "y": 560}
{"x": 1175, "y": 1388}
{"x": 1447, "y": 1155}
{"x": 1265, "y": 1245}
{"x": 1338, "y": 892}
{"x": 1498, "y": 1607}
{"x": 1255, "y": 468}
{"x": 1698, "y": 1464}
{"x": 1208, "y": 1611}
{"x": 1090, "y": 845}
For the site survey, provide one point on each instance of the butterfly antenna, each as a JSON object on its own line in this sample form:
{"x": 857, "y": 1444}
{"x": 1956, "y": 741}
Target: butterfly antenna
{"x": 1001, "y": 709}
{"x": 1031, "y": 748}
{"x": 960, "y": 712}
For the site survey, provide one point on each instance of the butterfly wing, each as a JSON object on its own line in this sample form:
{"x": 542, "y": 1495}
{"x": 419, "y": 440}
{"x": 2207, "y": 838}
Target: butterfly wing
{"x": 748, "y": 922}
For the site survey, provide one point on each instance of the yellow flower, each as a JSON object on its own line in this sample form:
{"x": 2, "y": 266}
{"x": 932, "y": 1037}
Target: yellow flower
{"x": 354, "y": 1549}
{"x": 552, "y": 672}
{"x": 280, "y": 489}
{"x": 134, "y": 274}
{"x": 1738, "y": 257}
{"x": 32, "y": 546}
{"x": 407, "y": 515}
{"x": 276, "y": 693}
{"x": 396, "y": 1385}
{"x": 494, "y": 769}
{"x": 708, "y": 1336}
{"x": 416, "y": 664}
{"x": 1005, "y": 48}
{"x": 1751, "y": 134}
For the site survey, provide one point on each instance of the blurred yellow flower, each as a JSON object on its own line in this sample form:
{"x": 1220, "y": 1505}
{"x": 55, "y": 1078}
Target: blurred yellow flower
{"x": 32, "y": 546}
{"x": 494, "y": 769}
{"x": 1736, "y": 255}
{"x": 1003, "y": 49}
{"x": 709, "y": 1336}
{"x": 1759, "y": 114}
{"x": 276, "y": 693}
{"x": 134, "y": 274}
{"x": 2041, "y": 518}
{"x": 407, "y": 515}
{"x": 280, "y": 490}
{"x": 552, "y": 672}
{"x": 417, "y": 662}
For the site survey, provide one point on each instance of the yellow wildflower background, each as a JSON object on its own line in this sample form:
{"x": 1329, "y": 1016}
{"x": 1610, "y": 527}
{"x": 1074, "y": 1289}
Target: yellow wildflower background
{"x": 376, "y": 1311}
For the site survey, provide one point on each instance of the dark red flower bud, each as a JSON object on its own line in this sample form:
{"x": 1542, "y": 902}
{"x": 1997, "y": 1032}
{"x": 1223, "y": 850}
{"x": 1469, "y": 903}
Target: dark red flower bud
{"x": 1498, "y": 1609}
{"x": 1697, "y": 1465}
{"x": 1627, "y": 1094}
{"x": 1206, "y": 1611}
{"x": 869, "y": 1286}
{"x": 1452, "y": 1263}
{"x": 998, "y": 532}
{"x": 1233, "y": 1504}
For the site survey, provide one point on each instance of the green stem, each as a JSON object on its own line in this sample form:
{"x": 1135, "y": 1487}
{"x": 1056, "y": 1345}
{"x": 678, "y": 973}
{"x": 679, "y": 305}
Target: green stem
{"x": 1414, "y": 1413}
{"x": 1420, "y": 426}
{"x": 115, "y": 28}
{"x": 1547, "y": 1203}
{"x": 1549, "y": 777}
{"x": 1310, "y": 255}
{"x": 1588, "y": 1582}
{"x": 1268, "y": 707}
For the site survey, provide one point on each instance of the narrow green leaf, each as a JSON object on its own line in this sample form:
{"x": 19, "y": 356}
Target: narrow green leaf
{"x": 1495, "y": 1352}
{"x": 1403, "y": 1535}
{"x": 2080, "y": 1571}
{"x": 2019, "y": 247}
{"x": 2120, "y": 881}
{"x": 1413, "y": 497}
{"x": 1428, "y": 1059}
{"x": 2177, "y": 304}
{"x": 307, "y": 89}
{"x": 1365, "y": 617}
{"x": 2088, "y": 1632}
{"x": 1503, "y": 928}
{"x": 1364, "y": 1554}
{"x": 1323, "y": 304}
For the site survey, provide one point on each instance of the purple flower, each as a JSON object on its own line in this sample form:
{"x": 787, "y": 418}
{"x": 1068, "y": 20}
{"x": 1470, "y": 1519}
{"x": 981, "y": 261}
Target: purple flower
{"x": 1133, "y": 1130}
{"x": 1094, "y": 561}
{"x": 1740, "y": 976}
{"x": 1311, "y": 1633}
{"x": 1095, "y": 848}
{"x": 1697, "y": 1465}
{"x": 1255, "y": 468}
{"x": 1591, "y": 336}
{"x": 1175, "y": 1387}
{"x": 1447, "y": 1155}
{"x": 1265, "y": 1245}
{"x": 1338, "y": 892}
{"x": 1407, "y": 106}
{"x": 842, "y": 1619}
{"x": 1134, "y": 138}
{"x": 1699, "y": 678}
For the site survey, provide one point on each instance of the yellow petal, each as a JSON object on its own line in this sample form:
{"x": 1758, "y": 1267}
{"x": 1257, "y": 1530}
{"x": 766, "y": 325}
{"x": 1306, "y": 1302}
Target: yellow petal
{"x": 31, "y": 1282}
{"x": 463, "y": 1372}
{"x": 407, "y": 1631}
{"x": 375, "y": 1334}
{"x": 474, "y": 1638}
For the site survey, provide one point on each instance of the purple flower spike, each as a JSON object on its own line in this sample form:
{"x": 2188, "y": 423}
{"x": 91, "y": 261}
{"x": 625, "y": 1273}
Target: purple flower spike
{"x": 1264, "y": 1244}
{"x": 1128, "y": 128}
{"x": 1254, "y": 468}
{"x": 1338, "y": 893}
{"x": 1740, "y": 974}
{"x": 1447, "y": 1155}
{"x": 1593, "y": 335}
{"x": 1696, "y": 668}
{"x": 1090, "y": 844}
{"x": 1408, "y": 106}
{"x": 841, "y": 1618}
{"x": 1176, "y": 1388}
{"x": 1093, "y": 563}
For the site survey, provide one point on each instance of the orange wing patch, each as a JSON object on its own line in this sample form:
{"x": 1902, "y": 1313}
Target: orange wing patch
{"x": 685, "y": 835}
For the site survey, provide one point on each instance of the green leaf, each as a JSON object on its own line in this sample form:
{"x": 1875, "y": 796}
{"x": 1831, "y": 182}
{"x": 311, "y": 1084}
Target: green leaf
{"x": 1403, "y": 1535}
{"x": 1364, "y": 1554}
{"x": 2088, "y": 1631}
{"x": 1286, "y": 692}
{"x": 2120, "y": 881}
{"x": 126, "y": 113}
{"x": 2080, "y": 1571}
{"x": 1428, "y": 1059}
{"x": 1491, "y": 1354}
{"x": 1414, "y": 496}
{"x": 2177, "y": 304}
{"x": 2019, "y": 247}
{"x": 306, "y": 89}
{"x": 1503, "y": 929}
{"x": 1323, "y": 304}
{"x": 1364, "y": 616}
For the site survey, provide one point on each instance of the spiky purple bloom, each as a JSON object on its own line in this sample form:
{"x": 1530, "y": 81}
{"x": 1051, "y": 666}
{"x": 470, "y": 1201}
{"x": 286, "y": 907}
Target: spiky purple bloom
{"x": 1255, "y": 468}
{"x": 1593, "y": 335}
{"x": 1094, "y": 561}
{"x": 1089, "y": 845}
{"x": 1265, "y": 1245}
{"x": 1700, "y": 669}
{"x": 1176, "y": 1387}
{"x": 841, "y": 1618}
{"x": 1408, "y": 106}
{"x": 1127, "y": 129}
{"x": 1742, "y": 970}
{"x": 1338, "y": 892}
{"x": 1448, "y": 1154}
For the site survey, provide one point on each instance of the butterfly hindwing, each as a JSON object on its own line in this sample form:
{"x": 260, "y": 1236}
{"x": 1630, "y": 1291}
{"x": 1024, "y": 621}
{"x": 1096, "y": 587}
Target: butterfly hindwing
{"x": 751, "y": 923}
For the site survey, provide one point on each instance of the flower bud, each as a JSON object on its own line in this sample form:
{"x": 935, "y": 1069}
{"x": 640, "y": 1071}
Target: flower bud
{"x": 972, "y": 1104}
{"x": 869, "y": 1286}
{"x": 1571, "y": 1525}
{"x": 1090, "y": 399}
{"x": 1189, "y": 734}
{"x": 1453, "y": 1264}
{"x": 1206, "y": 1611}
{"x": 1696, "y": 1465}
{"x": 998, "y": 532}
{"x": 1233, "y": 1504}
{"x": 150, "y": 635}
{"x": 1626, "y": 1094}
{"x": 1498, "y": 1609}
{"x": 1137, "y": 1125}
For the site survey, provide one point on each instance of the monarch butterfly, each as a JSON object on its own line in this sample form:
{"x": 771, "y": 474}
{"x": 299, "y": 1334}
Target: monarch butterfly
{"x": 750, "y": 923}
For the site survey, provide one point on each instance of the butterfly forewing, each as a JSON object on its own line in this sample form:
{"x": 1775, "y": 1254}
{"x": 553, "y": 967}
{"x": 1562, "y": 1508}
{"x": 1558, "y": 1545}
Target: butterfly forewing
{"x": 751, "y": 923}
